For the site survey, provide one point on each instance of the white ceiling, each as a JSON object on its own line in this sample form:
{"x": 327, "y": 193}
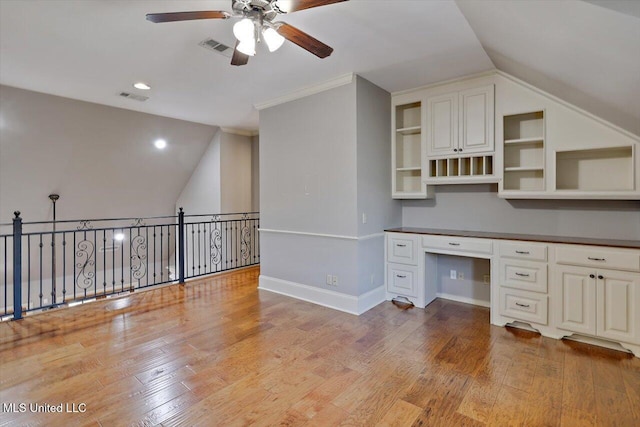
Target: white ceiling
{"x": 91, "y": 50}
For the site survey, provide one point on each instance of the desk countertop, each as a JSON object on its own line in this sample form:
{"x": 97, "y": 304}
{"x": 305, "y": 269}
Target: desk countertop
{"x": 631, "y": 244}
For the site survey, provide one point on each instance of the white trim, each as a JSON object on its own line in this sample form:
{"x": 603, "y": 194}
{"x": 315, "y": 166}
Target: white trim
{"x": 465, "y": 300}
{"x": 329, "y": 236}
{"x": 447, "y": 82}
{"x": 567, "y": 105}
{"x": 342, "y": 80}
{"x": 326, "y": 298}
{"x": 304, "y": 233}
{"x": 242, "y": 132}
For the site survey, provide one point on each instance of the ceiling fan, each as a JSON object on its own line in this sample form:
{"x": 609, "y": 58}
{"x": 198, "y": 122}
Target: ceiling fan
{"x": 256, "y": 24}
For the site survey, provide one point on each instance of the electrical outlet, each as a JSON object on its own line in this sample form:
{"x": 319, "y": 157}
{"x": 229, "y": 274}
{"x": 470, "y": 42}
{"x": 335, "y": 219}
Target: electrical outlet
{"x": 486, "y": 279}
{"x": 453, "y": 274}
{"x": 335, "y": 280}
{"x": 364, "y": 218}
{"x": 329, "y": 279}
{"x": 460, "y": 275}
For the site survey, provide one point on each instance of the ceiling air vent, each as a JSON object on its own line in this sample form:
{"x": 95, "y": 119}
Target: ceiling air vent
{"x": 133, "y": 96}
{"x": 216, "y": 46}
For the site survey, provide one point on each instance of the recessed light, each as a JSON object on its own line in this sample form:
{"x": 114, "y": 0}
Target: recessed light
{"x": 141, "y": 86}
{"x": 119, "y": 237}
{"x": 160, "y": 144}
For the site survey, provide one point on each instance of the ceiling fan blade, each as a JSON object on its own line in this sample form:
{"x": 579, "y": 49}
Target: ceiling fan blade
{"x": 294, "y": 5}
{"x": 238, "y": 57}
{"x": 303, "y": 40}
{"x": 186, "y": 16}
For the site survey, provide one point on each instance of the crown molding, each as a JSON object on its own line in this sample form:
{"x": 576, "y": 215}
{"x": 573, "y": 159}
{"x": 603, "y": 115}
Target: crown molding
{"x": 447, "y": 82}
{"x": 342, "y": 80}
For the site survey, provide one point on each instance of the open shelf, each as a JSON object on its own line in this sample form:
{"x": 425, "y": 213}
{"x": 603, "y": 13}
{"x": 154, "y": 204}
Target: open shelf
{"x": 408, "y": 181}
{"x": 408, "y": 149}
{"x": 524, "y": 149}
{"x": 408, "y": 116}
{"x": 407, "y": 152}
{"x": 413, "y": 130}
{"x": 602, "y": 169}
{"x": 524, "y": 180}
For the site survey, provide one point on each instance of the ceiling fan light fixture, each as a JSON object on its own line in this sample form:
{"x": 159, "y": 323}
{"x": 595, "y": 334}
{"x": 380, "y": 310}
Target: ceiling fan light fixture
{"x": 272, "y": 38}
{"x": 284, "y": 5}
{"x": 248, "y": 47}
{"x": 244, "y": 30}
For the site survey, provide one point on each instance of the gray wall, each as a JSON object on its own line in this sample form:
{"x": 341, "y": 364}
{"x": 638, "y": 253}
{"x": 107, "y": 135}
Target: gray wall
{"x": 222, "y": 181}
{"x": 324, "y": 161}
{"x": 235, "y": 173}
{"x": 374, "y": 181}
{"x": 478, "y": 207}
{"x": 255, "y": 173}
{"x": 101, "y": 160}
{"x": 308, "y": 164}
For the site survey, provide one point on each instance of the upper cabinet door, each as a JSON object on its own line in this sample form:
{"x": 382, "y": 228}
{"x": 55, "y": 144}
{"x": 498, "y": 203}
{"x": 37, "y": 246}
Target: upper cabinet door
{"x": 476, "y": 120}
{"x": 442, "y": 124}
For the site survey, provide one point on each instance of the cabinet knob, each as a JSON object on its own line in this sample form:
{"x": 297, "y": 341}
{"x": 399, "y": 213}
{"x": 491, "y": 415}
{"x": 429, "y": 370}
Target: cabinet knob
{"x": 455, "y": 150}
{"x": 600, "y": 277}
{"x": 593, "y": 276}
{"x": 460, "y": 150}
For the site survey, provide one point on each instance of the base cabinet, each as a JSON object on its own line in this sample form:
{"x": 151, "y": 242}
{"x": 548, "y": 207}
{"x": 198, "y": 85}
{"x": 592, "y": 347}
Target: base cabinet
{"x": 602, "y": 303}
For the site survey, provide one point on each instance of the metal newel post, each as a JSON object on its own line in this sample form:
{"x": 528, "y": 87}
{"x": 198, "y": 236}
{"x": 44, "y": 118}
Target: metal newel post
{"x": 181, "y": 246}
{"x": 17, "y": 266}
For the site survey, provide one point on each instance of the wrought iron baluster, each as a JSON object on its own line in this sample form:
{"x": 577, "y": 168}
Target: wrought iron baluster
{"x": 40, "y": 295}
{"x": 64, "y": 267}
{"x": 104, "y": 261}
{"x": 29, "y": 273}
{"x": 155, "y": 280}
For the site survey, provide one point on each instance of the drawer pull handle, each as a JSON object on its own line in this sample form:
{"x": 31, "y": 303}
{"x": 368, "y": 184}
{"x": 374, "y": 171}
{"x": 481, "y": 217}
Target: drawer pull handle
{"x": 401, "y": 246}
{"x": 454, "y": 244}
{"x": 596, "y": 259}
{"x": 523, "y": 252}
{"x": 522, "y": 305}
{"x": 401, "y": 276}
{"x": 522, "y": 274}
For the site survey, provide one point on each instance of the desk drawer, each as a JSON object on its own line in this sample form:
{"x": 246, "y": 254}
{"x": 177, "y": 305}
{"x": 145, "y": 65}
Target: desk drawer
{"x": 402, "y": 280}
{"x": 402, "y": 248}
{"x": 599, "y": 257}
{"x": 523, "y": 250}
{"x": 522, "y": 305}
{"x": 528, "y": 276}
{"x": 458, "y": 244}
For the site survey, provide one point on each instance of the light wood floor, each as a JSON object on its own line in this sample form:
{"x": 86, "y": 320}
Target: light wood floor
{"x": 219, "y": 352}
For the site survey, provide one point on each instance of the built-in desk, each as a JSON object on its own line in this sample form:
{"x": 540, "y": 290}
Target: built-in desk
{"x": 560, "y": 286}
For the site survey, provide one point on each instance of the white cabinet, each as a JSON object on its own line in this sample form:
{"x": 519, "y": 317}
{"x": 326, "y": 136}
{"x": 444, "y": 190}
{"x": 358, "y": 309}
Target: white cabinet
{"x": 407, "y": 147}
{"x": 460, "y": 122}
{"x": 604, "y": 303}
{"x": 523, "y": 282}
{"x": 402, "y": 280}
{"x": 402, "y": 248}
{"x": 599, "y": 292}
{"x": 402, "y": 264}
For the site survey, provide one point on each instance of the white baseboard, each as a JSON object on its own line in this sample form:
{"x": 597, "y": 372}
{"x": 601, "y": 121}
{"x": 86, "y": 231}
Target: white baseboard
{"x": 465, "y": 300}
{"x": 324, "y": 297}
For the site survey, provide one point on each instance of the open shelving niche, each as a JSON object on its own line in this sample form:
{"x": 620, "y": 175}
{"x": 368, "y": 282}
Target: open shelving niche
{"x": 524, "y": 152}
{"x": 593, "y": 170}
{"x": 407, "y": 167}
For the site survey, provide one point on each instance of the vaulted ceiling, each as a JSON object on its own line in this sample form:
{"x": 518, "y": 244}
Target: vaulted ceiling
{"x": 586, "y": 52}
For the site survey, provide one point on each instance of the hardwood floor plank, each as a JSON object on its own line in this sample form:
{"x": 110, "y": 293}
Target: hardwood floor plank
{"x": 400, "y": 414}
{"x": 217, "y": 351}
